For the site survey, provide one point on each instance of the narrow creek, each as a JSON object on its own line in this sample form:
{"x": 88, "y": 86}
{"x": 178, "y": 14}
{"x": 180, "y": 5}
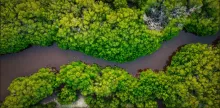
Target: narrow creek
{"x": 30, "y": 60}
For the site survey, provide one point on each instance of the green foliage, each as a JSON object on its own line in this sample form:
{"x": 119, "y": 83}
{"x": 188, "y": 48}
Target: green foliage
{"x": 112, "y": 88}
{"x": 67, "y": 95}
{"x": 202, "y": 26}
{"x": 10, "y": 40}
{"x": 144, "y": 4}
{"x": 147, "y": 104}
{"x": 106, "y": 34}
{"x": 192, "y": 80}
{"x": 27, "y": 91}
{"x": 180, "y": 86}
{"x": 106, "y": 29}
{"x": 24, "y": 23}
{"x": 33, "y": 18}
{"x": 198, "y": 66}
{"x": 120, "y": 3}
{"x": 148, "y": 89}
{"x": 206, "y": 21}
{"x": 172, "y": 29}
{"x": 76, "y": 76}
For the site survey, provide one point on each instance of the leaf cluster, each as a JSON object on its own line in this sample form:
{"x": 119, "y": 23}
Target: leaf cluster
{"x": 27, "y": 91}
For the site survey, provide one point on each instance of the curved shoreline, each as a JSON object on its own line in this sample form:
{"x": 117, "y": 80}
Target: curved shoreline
{"x": 30, "y": 60}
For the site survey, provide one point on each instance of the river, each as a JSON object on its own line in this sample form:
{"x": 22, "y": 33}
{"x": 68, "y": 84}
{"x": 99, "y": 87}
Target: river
{"x": 28, "y": 61}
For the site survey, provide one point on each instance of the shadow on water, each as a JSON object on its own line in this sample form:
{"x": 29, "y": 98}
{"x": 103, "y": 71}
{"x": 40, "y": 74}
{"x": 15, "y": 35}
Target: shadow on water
{"x": 30, "y": 60}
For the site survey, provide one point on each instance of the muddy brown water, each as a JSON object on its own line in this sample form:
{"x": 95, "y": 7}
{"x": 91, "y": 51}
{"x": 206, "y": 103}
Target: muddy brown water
{"x": 30, "y": 60}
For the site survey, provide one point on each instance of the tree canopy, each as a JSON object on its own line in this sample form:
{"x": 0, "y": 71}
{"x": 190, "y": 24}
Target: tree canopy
{"x": 191, "y": 80}
{"x": 115, "y": 30}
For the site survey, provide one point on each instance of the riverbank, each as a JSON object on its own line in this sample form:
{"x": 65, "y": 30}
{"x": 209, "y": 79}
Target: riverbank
{"x": 30, "y": 60}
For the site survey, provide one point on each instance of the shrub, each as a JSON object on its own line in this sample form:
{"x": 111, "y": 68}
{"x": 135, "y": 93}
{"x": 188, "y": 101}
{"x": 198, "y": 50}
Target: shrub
{"x": 206, "y": 21}
{"x": 76, "y": 76}
{"x": 112, "y": 88}
{"x": 27, "y": 91}
{"x": 198, "y": 67}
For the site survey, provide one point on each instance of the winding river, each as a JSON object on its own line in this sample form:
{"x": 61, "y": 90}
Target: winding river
{"x": 30, "y": 60}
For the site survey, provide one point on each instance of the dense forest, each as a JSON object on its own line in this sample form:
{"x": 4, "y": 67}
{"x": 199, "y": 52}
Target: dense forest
{"x": 114, "y": 30}
{"x": 191, "y": 80}
{"x": 120, "y": 31}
